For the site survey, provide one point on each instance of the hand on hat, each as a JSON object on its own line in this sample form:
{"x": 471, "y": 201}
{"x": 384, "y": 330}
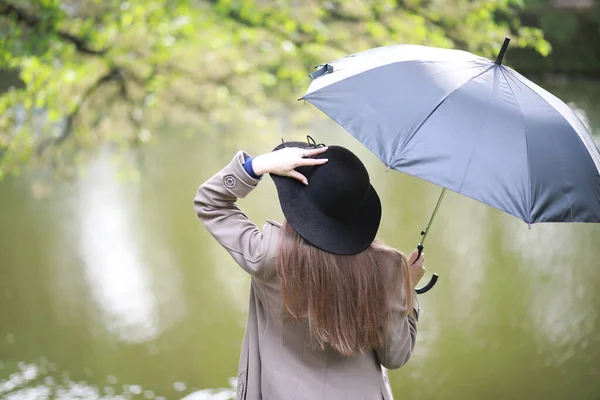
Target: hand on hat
{"x": 416, "y": 268}
{"x": 282, "y": 162}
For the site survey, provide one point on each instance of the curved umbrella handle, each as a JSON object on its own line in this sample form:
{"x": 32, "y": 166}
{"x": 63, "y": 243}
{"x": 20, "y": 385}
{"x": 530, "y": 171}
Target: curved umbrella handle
{"x": 432, "y": 281}
{"x": 429, "y": 285}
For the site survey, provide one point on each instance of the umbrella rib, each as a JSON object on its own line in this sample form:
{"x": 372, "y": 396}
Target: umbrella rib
{"x": 596, "y": 157}
{"x": 397, "y": 138}
{"x": 530, "y": 200}
{"x": 572, "y": 127}
{"x": 462, "y": 182}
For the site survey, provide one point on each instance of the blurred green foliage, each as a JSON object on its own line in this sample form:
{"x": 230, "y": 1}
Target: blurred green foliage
{"x": 573, "y": 33}
{"x": 110, "y": 72}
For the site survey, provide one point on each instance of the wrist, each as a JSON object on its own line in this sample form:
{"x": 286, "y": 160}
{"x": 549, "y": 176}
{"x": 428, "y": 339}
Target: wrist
{"x": 258, "y": 165}
{"x": 248, "y": 167}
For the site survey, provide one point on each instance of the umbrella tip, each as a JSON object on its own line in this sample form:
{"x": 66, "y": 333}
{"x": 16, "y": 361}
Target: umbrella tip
{"x": 502, "y": 51}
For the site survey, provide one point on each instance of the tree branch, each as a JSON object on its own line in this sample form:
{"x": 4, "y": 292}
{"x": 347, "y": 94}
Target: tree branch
{"x": 111, "y": 76}
{"x": 33, "y": 21}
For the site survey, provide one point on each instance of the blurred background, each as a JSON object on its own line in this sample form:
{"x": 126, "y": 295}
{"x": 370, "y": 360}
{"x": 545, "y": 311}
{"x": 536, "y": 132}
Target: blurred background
{"x": 113, "y": 112}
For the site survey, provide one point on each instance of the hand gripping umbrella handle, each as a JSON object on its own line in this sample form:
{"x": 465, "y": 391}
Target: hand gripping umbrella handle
{"x": 432, "y": 281}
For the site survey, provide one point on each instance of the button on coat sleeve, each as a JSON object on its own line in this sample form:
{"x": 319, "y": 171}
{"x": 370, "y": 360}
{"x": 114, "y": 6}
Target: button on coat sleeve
{"x": 215, "y": 205}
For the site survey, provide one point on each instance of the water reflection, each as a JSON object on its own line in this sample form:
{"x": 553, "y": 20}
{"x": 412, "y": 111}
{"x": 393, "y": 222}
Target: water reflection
{"x": 32, "y": 381}
{"x": 231, "y": 281}
{"x": 115, "y": 268}
{"x": 214, "y": 394}
{"x": 559, "y": 299}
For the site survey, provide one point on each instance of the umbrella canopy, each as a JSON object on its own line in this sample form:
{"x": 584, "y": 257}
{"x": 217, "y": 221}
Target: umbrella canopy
{"x": 468, "y": 124}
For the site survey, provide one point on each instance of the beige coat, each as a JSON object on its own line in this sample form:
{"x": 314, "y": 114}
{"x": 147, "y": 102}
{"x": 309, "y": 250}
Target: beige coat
{"x": 277, "y": 361}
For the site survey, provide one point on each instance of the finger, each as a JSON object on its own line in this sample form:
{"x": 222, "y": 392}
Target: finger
{"x": 314, "y": 152}
{"x": 413, "y": 257}
{"x": 312, "y": 161}
{"x": 297, "y": 175}
{"x": 296, "y": 151}
{"x": 419, "y": 262}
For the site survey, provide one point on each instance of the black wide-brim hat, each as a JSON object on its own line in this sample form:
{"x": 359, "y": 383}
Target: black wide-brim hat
{"x": 338, "y": 211}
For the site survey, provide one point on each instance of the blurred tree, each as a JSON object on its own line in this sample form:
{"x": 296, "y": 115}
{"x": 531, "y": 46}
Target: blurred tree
{"x": 110, "y": 71}
{"x": 573, "y": 28}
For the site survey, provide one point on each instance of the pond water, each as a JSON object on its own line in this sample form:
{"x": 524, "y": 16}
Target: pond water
{"x": 112, "y": 288}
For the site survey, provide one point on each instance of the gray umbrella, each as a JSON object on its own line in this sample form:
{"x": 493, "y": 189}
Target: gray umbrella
{"x": 468, "y": 124}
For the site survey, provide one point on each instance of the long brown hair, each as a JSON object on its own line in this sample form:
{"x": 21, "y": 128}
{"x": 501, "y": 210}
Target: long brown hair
{"x": 343, "y": 298}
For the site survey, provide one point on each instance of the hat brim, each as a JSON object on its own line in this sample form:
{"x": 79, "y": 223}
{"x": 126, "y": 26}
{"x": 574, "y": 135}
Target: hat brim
{"x": 347, "y": 236}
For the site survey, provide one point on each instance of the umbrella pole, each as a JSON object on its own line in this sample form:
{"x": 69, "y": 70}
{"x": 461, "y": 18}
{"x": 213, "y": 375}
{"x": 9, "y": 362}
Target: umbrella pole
{"x": 421, "y": 246}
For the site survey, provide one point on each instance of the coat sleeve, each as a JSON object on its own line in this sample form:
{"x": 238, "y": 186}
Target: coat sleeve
{"x": 402, "y": 335}
{"x": 215, "y": 205}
